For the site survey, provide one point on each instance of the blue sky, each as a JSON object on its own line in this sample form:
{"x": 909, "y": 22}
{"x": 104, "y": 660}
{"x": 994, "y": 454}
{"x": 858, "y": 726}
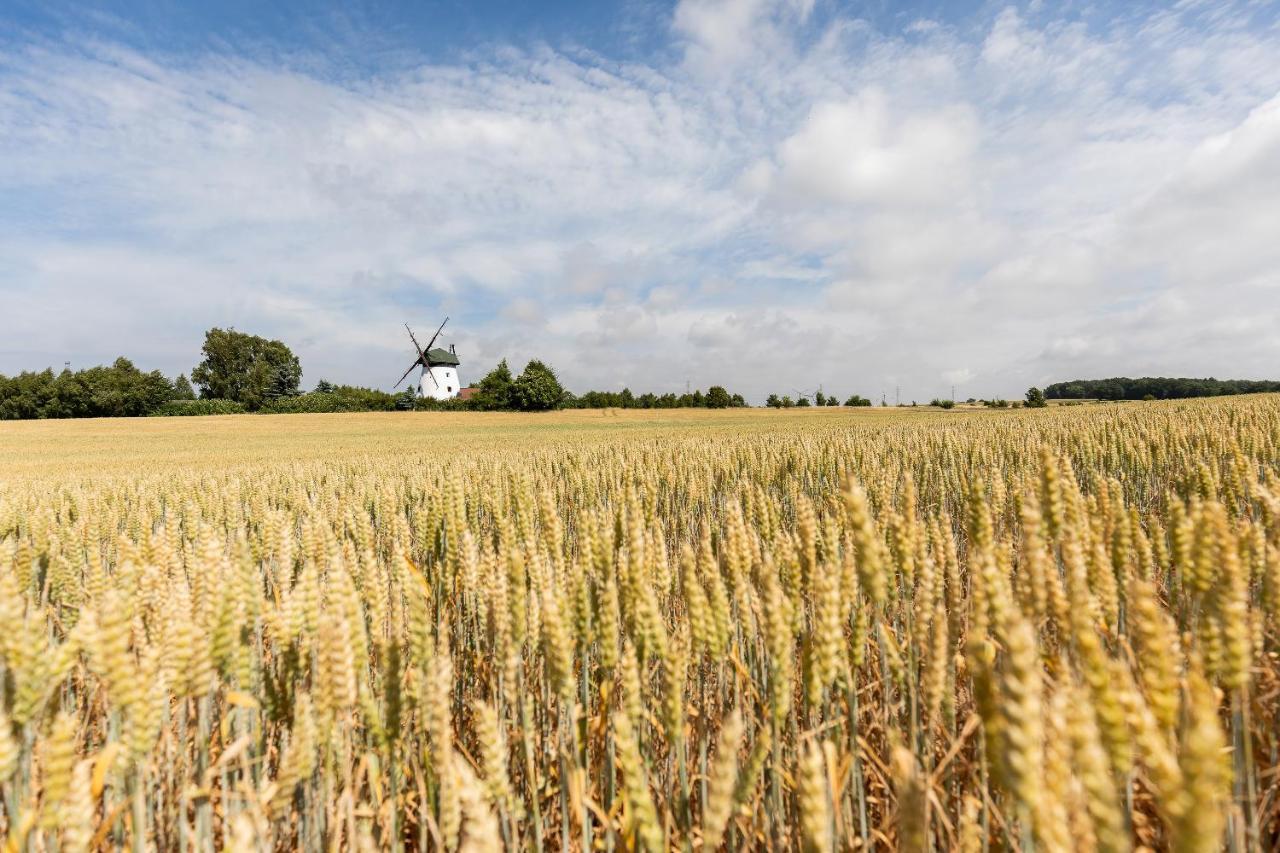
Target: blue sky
{"x": 767, "y": 194}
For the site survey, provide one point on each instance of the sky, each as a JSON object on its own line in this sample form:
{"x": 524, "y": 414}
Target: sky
{"x": 772, "y": 195}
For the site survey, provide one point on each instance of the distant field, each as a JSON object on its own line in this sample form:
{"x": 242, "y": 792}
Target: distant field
{"x": 692, "y": 630}
{"x": 119, "y": 444}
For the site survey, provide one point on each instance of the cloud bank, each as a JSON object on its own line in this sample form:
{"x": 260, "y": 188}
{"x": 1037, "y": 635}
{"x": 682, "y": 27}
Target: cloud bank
{"x": 778, "y": 199}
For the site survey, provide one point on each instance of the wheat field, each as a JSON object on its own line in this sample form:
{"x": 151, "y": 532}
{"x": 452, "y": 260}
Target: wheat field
{"x": 823, "y": 630}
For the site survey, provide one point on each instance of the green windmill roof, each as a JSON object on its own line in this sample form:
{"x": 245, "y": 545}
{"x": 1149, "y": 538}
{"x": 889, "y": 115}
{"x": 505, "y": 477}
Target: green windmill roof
{"x": 438, "y": 357}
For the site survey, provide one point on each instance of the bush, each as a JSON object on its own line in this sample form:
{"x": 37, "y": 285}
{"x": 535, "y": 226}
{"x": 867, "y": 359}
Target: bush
{"x": 856, "y": 400}
{"x": 340, "y": 398}
{"x": 942, "y": 404}
{"x": 195, "y": 408}
{"x": 453, "y": 404}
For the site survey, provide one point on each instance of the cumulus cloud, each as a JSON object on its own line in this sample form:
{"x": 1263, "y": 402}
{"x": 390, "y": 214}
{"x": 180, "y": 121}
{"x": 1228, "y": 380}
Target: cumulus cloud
{"x": 856, "y": 152}
{"x": 784, "y": 197}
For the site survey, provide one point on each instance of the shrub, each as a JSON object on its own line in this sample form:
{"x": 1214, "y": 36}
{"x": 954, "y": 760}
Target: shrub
{"x": 194, "y": 408}
{"x": 342, "y": 398}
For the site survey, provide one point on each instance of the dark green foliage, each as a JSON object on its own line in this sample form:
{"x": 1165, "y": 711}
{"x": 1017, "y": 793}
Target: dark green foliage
{"x": 191, "y": 408}
{"x": 339, "y": 398}
{"x": 1159, "y": 387}
{"x": 118, "y": 391}
{"x": 773, "y": 401}
{"x": 431, "y": 404}
{"x": 942, "y": 404}
{"x": 493, "y": 392}
{"x": 182, "y": 389}
{"x": 803, "y": 402}
{"x": 246, "y": 368}
{"x": 1035, "y": 398}
{"x": 718, "y": 398}
{"x": 855, "y": 400}
{"x": 715, "y": 398}
{"x": 536, "y": 389}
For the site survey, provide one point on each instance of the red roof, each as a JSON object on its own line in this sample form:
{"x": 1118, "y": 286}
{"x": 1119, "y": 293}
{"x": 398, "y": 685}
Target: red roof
{"x": 467, "y": 393}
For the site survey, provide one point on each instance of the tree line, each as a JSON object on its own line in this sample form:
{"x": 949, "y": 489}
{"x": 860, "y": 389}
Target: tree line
{"x": 819, "y": 399}
{"x": 241, "y": 373}
{"x": 1154, "y": 388}
{"x": 118, "y": 391}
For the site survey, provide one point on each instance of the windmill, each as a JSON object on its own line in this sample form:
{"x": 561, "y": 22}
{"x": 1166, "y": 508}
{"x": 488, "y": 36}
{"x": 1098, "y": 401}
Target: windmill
{"x": 439, "y": 365}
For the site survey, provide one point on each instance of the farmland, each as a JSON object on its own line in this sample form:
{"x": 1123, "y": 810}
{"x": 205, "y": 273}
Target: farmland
{"x": 811, "y": 630}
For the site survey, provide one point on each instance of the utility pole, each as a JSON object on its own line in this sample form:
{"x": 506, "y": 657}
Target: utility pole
{"x": 897, "y": 395}
{"x": 953, "y": 393}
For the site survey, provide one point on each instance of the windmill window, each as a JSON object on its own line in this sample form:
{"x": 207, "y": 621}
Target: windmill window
{"x": 449, "y": 388}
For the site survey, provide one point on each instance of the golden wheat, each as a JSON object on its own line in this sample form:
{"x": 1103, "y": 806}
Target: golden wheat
{"x": 790, "y": 630}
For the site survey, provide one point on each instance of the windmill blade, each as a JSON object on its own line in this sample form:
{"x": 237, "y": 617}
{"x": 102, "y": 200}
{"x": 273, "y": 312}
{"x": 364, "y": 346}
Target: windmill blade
{"x": 436, "y": 335}
{"x": 406, "y": 373}
{"x": 422, "y": 356}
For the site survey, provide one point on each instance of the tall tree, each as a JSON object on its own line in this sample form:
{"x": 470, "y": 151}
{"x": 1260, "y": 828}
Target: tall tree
{"x": 537, "y": 389}
{"x": 718, "y": 398}
{"x": 182, "y": 389}
{"x": 246, "y": 368}
{"x": 493, "y": 392}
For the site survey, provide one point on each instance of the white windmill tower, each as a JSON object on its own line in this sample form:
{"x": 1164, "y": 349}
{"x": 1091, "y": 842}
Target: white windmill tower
{"x": 439, "y": 378}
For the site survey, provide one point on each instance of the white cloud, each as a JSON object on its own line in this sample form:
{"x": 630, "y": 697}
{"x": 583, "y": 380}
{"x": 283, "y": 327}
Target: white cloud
{"x": 857, "y": 152}
{"x": 794, "y": 199}
{"x": 721, "y": 34}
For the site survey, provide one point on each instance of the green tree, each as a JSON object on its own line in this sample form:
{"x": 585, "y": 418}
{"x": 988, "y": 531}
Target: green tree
{"x": 1035, "y": 398}
{"x": 787, "y": 402}
{"x": 494, "y": 391}
{"x": 718, "y": 398}
{"x": 182, "y": 389}
{"x": 773, "y": 401}
{"x": 246, "y": 368}
{"x": 803, "y": 401}
{"x": 537, "y": 389}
